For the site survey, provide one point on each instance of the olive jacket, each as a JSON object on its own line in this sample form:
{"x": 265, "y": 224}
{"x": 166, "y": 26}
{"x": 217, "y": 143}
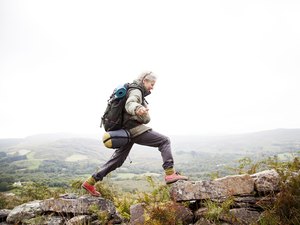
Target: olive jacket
{"x": 134, "y": 101}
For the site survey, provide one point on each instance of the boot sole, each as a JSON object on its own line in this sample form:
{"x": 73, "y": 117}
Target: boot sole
{"x": 174, "y": 180}
{"x": 90, "y": 191}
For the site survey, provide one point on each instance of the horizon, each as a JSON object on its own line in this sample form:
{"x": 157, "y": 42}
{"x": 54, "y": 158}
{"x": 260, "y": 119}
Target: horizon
{"x": 95, "y": 136}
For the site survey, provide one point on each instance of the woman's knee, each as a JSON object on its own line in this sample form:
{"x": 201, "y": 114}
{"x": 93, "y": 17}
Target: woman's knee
{"x": 166, "y": 140}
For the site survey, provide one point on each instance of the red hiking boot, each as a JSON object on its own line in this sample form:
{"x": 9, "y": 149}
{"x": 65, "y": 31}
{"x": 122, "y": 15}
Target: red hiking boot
{"x": 91, "y": 189}
{"x": 174, "y": 177}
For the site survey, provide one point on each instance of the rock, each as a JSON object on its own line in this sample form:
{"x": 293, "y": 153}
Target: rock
{"x": 200, "y": 213}
{"x": 183, "y": 214}
{"x": 266, "y": 181}
{"x": 241, "y": 216}
{"x": 54, "y": 220}
{"x": 45, "y": 220}
{"x": 3, "y": 214}
{"x": 24, "y": 212}
{"x": 245, "y": 205}
{"x": 203, "y": 221}
{"x": 247, "y": 201}
{"x": 78, "y": 205}
{"x": 222, "y": 187}
{"x": 69, "y": 206}
{"x": 82, "y": 219}
{"x": 4, "y": 223}
{"x": 266, "y": 202}
{"x": 137, "y": 214}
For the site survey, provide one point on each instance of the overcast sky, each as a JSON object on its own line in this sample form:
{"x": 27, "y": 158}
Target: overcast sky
{"x": 223, "y": 67}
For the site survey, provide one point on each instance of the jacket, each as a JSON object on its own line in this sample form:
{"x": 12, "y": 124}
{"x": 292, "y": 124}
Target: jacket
{"x": 134, "y": 123}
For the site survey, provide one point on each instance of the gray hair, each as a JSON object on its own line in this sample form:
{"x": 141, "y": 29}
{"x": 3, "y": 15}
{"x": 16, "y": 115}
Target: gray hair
{"x": 149, "y": 76}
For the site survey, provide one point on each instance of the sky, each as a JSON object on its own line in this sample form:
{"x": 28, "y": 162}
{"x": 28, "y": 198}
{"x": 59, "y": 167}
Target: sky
{"x": 223, "y": 67}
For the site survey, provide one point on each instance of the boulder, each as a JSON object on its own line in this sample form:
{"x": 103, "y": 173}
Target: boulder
{"x": 24, "y": 212}
{"x": 266, "y": 181}
{"x": 71, "y": 208}
{"x": 77, "y": 205}
{"x": 137, "y": 212}
{"x": 3, "y": 214}
{"x": 212, "y": 189}
{"x": 184, "y": 214}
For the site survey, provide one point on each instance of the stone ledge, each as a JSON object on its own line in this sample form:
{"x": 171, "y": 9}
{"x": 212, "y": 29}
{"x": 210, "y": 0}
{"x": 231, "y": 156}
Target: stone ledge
{"x": 218, "y": 188}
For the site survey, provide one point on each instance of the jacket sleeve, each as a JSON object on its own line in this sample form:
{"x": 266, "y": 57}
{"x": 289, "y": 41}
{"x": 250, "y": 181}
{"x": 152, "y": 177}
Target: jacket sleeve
{"x": 133, "y": 102}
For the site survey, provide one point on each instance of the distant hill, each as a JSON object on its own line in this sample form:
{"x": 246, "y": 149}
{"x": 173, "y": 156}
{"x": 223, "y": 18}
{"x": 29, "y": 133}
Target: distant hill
{"x": 264, "y": 141}
{"x": 68, "y": 147}
{"x": 262, "y": 137}
{"x": 56, "y": 147}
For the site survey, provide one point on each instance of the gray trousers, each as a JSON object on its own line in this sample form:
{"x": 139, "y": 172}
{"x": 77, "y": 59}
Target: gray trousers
{"x": 149, "y": 138}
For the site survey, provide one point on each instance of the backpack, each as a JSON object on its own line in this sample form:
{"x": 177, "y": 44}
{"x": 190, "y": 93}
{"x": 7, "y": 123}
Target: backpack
{"x": 112, "y": 118}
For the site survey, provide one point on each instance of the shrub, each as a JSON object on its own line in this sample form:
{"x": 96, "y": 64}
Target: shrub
{"x": 160, "y": 193}
{"x": 159, "y": 209}
{"x": 102, "y": 216}
{"x": 216, "y": 210}
{"x": 161, "y": 214}
{"x": 123, "y": 204}
{"x": 3, "y": 201}
{"x": 36, "y": 191}
{"x": 246, "y": 166}
{"x": 286, "y": 209}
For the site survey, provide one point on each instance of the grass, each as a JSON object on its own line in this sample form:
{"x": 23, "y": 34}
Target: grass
{"x": 35, "y": 163}
{"x": 133, "y": 185}
{"x": 28, "y": 164}
{"x": 76, "y": 157}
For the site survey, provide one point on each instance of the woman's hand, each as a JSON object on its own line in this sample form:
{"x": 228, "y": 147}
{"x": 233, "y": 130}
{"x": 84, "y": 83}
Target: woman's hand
{"x": 141, "y": 111}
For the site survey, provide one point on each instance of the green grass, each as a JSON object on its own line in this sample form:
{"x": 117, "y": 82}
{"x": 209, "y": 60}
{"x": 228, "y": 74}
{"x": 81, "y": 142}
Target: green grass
{"x": 286, "y": 156}
{"x": 28, "y": 164}
{"x": 30, "y": 155}
{"x": 133, "y": 185}
{"x": 35, "y": 163}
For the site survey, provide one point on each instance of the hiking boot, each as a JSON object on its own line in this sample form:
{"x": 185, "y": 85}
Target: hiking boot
{"x": 174, "y": 177}
{"x": 91, "y": 189}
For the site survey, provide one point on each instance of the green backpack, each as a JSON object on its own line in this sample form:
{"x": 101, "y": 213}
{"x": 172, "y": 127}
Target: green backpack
{"x": 112, "y": 118}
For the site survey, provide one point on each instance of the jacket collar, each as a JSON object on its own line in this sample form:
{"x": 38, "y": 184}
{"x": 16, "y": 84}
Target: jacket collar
{"x": 142, "y": 87}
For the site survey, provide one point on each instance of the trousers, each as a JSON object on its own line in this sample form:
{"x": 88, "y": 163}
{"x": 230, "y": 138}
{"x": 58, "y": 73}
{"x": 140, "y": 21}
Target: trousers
{"x": 149, "y": 138}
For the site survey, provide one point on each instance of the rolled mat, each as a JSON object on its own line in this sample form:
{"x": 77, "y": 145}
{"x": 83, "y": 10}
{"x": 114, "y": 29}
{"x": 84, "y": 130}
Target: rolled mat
{"x": 120, "y": 91}
{"x": 116, "y": 139}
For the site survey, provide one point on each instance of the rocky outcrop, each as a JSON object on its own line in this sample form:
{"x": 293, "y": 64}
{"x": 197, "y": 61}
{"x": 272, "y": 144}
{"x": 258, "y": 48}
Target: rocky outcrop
{"x": 246, "y": 196}
{"x": 68, "y": 209}
{"x": 223, "y": 187}
{"x": 249, "y": 196}
{"x": 263, "y": 182}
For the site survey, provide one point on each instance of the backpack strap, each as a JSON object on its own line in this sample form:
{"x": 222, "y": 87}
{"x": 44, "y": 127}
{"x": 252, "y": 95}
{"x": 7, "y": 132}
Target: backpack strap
{"x": 136, "y": 86}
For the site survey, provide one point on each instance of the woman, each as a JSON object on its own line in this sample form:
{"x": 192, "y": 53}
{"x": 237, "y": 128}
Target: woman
{"x": 136, "y": 116}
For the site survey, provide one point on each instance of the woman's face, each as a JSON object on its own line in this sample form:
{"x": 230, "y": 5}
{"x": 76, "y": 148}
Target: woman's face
{"x": 149, "y": 84}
